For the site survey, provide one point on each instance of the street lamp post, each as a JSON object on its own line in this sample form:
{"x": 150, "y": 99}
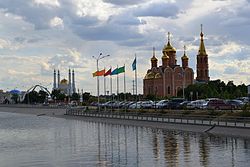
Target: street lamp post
{"x": 97, "y": 68}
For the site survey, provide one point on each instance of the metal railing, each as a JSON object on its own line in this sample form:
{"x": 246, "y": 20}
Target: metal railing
{"x": 240, "y": 122}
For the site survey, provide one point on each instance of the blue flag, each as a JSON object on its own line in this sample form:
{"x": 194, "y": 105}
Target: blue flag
{"x": 114, "y": 72}
{"x": 134, "y": 65}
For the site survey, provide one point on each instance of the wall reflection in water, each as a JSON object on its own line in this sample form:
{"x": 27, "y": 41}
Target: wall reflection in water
{"x": 70, "y": 143}
{"x": 117, "y": 145}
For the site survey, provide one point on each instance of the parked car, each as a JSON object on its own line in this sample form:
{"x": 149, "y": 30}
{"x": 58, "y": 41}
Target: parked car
{"x": 175, "y": 103}
{"x": 237, "y": 104}
{"x": 147, "y": 104}
{"x": 184, "y": 104}
{"x": 244, "y": 99}
{"x": 136, "y": 105}
{"x": 219, "y": 104}
{"x": 162, "y": 104}
{"x": 197, "y": 104}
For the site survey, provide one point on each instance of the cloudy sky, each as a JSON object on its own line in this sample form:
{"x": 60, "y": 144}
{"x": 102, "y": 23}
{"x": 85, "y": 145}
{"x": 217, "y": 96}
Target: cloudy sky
{"x": 37, "y": 36}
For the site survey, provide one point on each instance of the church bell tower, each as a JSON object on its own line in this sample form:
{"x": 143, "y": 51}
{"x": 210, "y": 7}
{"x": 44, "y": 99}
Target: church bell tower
{"x": 202, "y": 62}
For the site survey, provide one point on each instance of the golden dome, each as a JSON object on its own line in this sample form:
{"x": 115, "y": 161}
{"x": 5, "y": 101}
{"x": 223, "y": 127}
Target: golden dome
{"x": 64, "y": 82}
{"x": 184, "y": 57}
{"x": 158, "y": 75}
{"x": 169, "y": 48}
{"x": 165, "y": 56}
{"x": 150, "y": 75}
{"x": 154, "y": 58}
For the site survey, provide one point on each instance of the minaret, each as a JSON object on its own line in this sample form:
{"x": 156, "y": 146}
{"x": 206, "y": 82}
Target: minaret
{"x": 58, "y": 79}
{"x": 153, "y": 59}
{"x": 54, "y": 83}
{"x": 184, "y": 59}
{"x": 170, "y": 51}
{"x": 73, "y": 82}
{"x": 202, "y": 62}
{"x": 69, "y": 83}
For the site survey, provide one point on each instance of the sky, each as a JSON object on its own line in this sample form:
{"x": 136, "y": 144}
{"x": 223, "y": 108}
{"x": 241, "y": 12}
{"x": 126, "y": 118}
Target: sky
{"x": 38, "y": 36}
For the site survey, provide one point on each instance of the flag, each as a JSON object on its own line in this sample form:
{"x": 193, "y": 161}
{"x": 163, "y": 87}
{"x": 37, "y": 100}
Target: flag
{"x": 99, "y": 73}
{"x": 107, "y": 73}
{"x": 134, "y": 64}
{"x": 114, "y": 72}
{"x": 94, "y": 74}
{"x": 121, "y": 70}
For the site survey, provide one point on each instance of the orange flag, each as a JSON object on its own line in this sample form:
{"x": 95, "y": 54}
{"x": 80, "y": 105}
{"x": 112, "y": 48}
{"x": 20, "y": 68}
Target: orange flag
{"x": 99, "y": 73}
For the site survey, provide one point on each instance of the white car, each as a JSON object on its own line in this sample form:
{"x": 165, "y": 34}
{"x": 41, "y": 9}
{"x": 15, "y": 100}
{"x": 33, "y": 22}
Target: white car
{"x": 197, "y": 104}
{"x": 147, "y": 104}
{"x": 162, "y": 104}
{"x": 136, "y": 105}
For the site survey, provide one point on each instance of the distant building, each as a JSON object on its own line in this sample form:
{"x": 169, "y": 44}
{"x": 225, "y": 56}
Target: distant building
{"x": 5, "y": 97}
{"x": 169, "y": 78}
{"x": 65, "y": 86}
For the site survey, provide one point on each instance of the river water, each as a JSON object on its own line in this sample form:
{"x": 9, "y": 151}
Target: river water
{"x": 32, "y": 141}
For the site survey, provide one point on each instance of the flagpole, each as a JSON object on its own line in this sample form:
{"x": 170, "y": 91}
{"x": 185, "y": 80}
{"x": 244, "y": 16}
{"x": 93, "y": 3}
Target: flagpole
{"x": 136, "y": 82}
{"x": 104, "y": 82}
{"x": 124, "y": 84}
{"x": 117, "y": 85}
{"x": 111, "y": 93}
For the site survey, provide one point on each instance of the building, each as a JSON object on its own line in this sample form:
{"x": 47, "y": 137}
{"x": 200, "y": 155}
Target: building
{"x": 65, "y": 86}
{"x": 169, "y": 78}
{"x": 5, "y": 97}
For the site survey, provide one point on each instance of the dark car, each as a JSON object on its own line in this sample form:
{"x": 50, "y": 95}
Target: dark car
{"x": 219, "y": 104}
{"x": 237, "y": 104}
{"x": 175, "y": 103}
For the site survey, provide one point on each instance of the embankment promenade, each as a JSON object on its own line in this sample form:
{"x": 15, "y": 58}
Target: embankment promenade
{"x": 59, "y": 112}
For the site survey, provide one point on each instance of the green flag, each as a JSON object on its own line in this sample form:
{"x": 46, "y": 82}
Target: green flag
{"x": 121, "y": 70}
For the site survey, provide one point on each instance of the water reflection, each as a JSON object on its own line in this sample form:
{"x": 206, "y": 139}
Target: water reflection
{"x": 171, "y": 149}
{"x": 203, "y": 150}
{"x": 44, "y": 141}
{"x": 186, "y": 147}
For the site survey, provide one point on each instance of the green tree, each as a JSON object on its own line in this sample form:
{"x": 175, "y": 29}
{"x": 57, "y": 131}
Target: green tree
{"x": 75, "y": 96}
{"x": 15, "y": 97}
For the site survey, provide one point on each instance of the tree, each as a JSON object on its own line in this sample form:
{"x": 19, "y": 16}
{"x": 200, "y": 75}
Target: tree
{"x": 15, "y": 97}
{"x": 75, "y": 96}
{"x": 217, "y": 89}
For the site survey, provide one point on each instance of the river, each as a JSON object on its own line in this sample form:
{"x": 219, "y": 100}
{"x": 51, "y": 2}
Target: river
{"x": 41, "y": 141}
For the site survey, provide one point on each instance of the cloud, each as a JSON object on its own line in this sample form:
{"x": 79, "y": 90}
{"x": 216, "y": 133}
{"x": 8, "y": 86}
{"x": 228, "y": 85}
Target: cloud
{"x": 70, "y": 59}
{"x": 56, "y": 22}
{"x": 125, "y": 18}
{"x": 124, "y": 2}
{"x": 106, "y": 31}
{"x": 159, "y": 9}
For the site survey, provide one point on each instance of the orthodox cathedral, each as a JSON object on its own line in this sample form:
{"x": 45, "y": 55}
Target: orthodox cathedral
{"x": 169, "y": 78}
{"x": 65, "y": 86}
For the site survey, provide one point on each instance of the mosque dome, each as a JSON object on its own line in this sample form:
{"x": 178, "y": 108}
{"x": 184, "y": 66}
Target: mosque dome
{"x": 150, "y": 75}
{"x": 64, "y": 82}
